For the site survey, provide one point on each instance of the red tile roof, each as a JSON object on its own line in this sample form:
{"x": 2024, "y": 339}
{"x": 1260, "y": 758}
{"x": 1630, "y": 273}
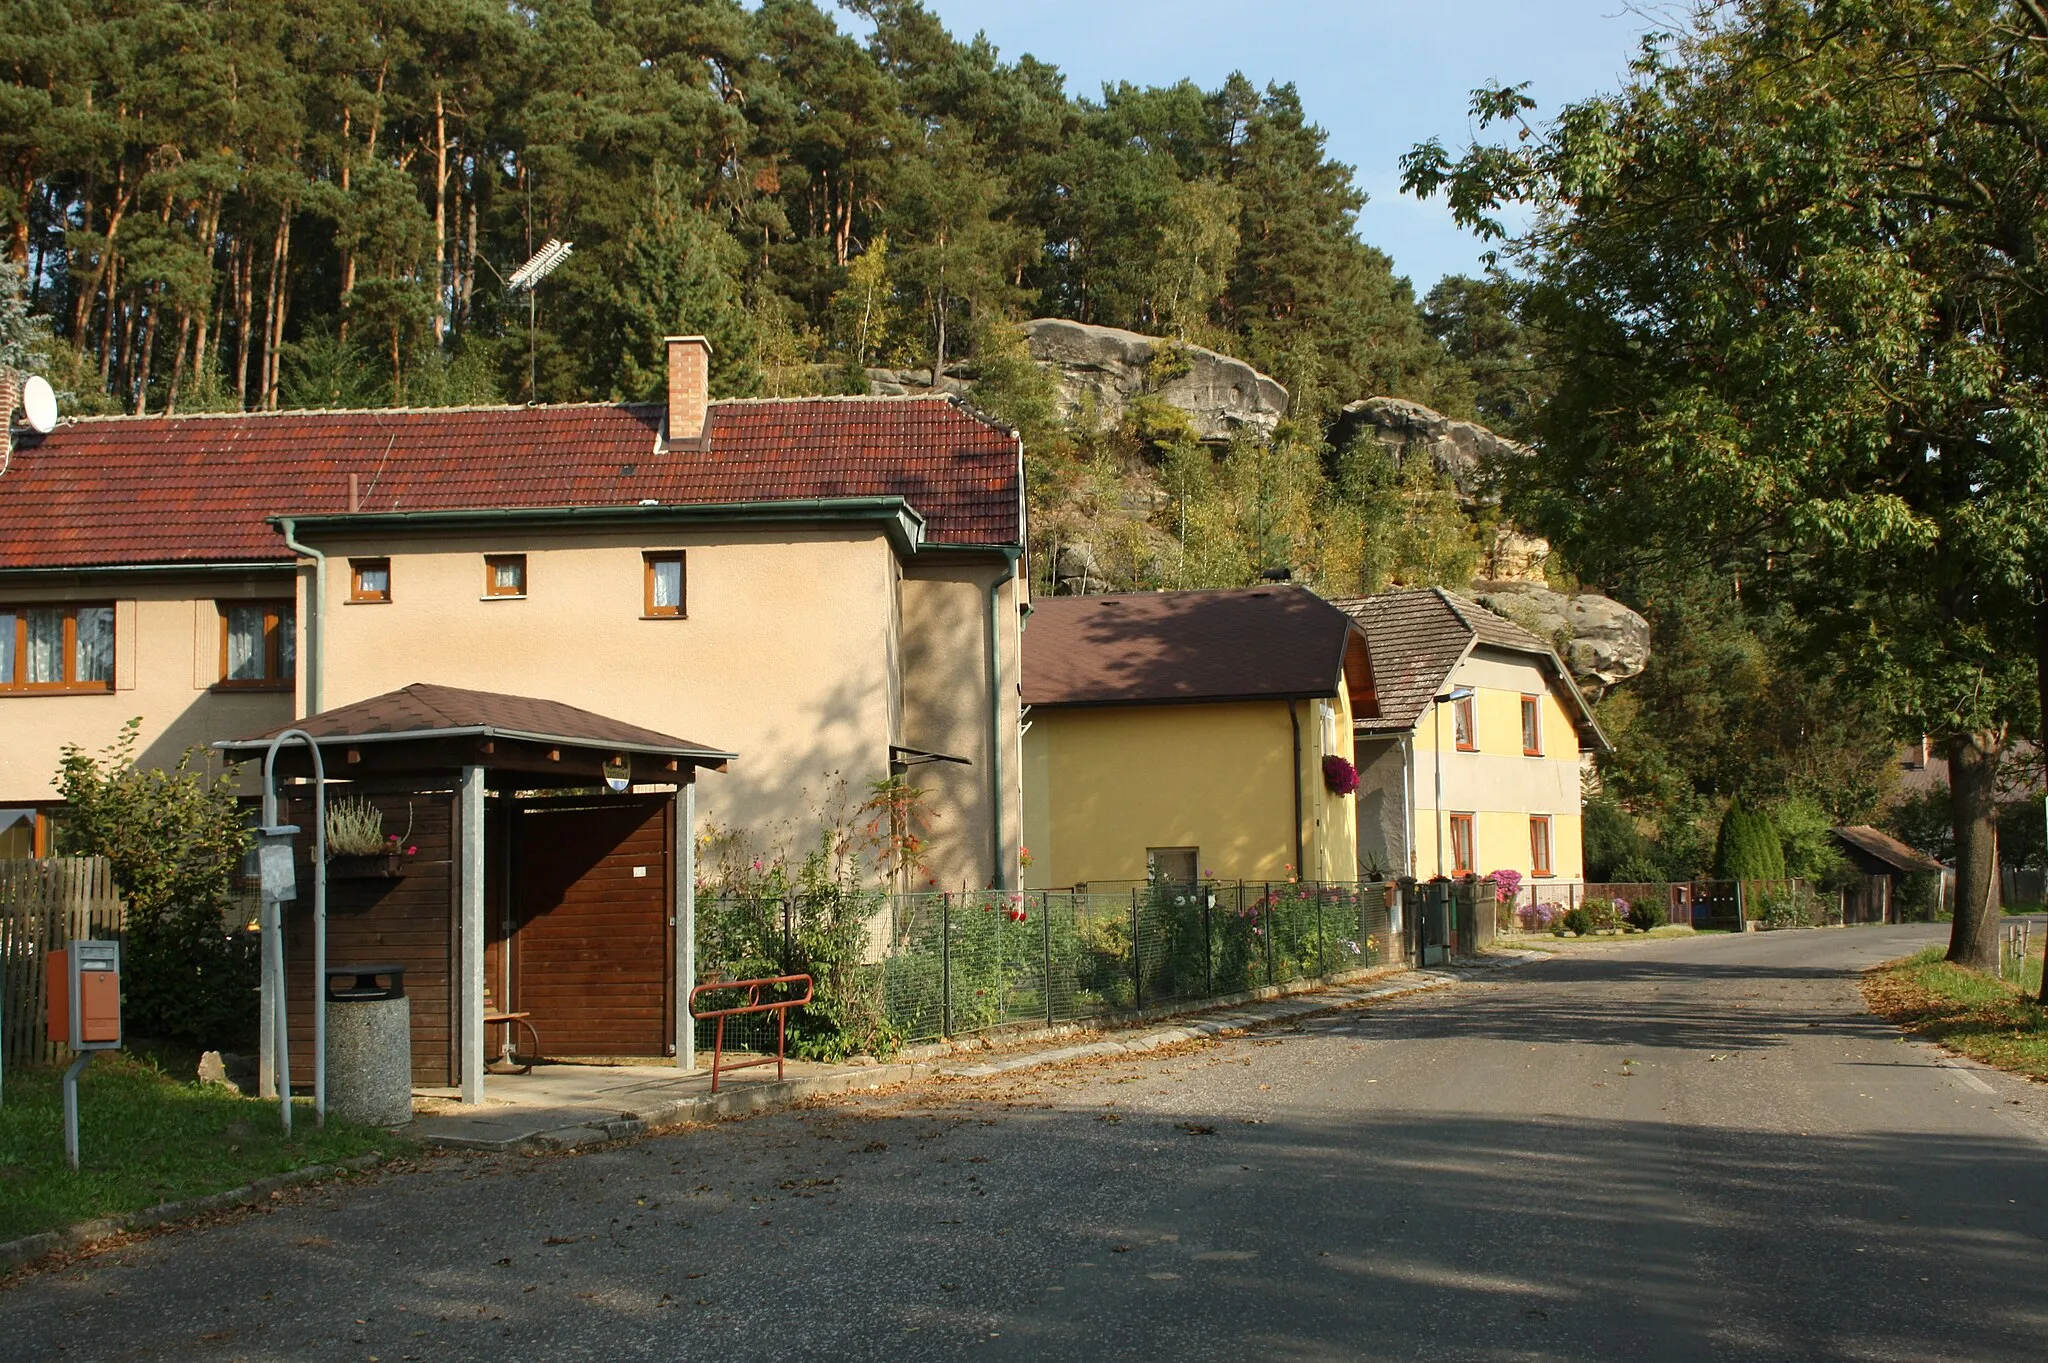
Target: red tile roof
{"x": 1264, "y": 643}
{"x": 166, "y": 490}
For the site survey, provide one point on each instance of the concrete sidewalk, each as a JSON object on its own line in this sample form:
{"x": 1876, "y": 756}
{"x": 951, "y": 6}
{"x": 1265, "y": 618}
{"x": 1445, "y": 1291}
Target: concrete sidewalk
{"x": 561, "y": 1107}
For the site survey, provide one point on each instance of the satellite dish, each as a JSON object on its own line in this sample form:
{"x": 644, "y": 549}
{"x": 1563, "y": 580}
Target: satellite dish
{"x": 39, "y": 405}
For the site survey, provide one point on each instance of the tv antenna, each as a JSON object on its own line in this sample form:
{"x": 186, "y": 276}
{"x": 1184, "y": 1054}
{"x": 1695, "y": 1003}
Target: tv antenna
{"x": 526, "y": 279}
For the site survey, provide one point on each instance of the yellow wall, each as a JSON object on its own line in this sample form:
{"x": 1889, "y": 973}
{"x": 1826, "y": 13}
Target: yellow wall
{"x": 1498, "y": 784}
{"x": 166, "y": 662}
{"x": 1104, "y": 784}
{"x": 807, "y": 652}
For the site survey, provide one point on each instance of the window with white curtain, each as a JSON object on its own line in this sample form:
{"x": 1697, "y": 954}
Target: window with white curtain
{"x": 56, "y": 648}
{"x": 256, "y": 643}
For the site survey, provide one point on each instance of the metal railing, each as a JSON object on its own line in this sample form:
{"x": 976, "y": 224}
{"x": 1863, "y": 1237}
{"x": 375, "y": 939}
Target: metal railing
{"x": 952, "y": 964}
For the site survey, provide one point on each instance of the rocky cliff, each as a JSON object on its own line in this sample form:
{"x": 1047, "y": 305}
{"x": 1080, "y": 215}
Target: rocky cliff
{"x": 1221, "y": 395}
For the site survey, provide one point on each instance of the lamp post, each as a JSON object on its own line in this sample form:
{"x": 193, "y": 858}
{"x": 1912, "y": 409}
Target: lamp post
{"x": 1455, "y": 694}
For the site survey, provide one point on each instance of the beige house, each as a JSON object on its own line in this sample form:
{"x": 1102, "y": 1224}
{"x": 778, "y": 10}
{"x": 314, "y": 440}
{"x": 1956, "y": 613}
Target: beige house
{"x": 1471, "y": 755}
{"x": 826, "y": 587}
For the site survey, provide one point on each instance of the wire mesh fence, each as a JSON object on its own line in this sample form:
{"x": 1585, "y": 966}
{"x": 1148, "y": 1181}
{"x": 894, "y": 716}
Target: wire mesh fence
{"x": 920, "y": 967}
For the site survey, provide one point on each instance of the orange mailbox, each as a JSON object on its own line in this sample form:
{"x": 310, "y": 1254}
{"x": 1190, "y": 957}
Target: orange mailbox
{"x": 85, "y": 994}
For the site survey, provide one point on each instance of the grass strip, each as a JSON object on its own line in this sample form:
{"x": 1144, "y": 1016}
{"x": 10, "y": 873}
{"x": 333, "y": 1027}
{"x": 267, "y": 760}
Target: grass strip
{"x": 1973, "y": 1014}
{"x": 146, "y": 1138}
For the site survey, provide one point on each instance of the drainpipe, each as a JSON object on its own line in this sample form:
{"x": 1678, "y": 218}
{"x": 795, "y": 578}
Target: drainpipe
{"x": 995, "y": 718}
{"x": 315, "y": 631}
{"x": 1407, "y": 803}
{"x": 1294, "y": 720}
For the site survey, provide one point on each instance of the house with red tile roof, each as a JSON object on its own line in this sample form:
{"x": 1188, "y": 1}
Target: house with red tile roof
{"x": 826, "y": 587}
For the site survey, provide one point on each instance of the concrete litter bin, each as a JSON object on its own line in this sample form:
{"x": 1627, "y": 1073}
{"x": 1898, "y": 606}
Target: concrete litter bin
{"x": 369, "y": 1045}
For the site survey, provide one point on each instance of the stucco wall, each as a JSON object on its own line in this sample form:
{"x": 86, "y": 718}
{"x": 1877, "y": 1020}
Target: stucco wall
{"x": 1498, "y": 784}
{"x": 1102, "y": 785}
{"x": 166, "y": 662}
{"x": 807, "y": 652}
{"x": 946, "y": 626}
{"x": 783, "y": 655}
{"x": 1382, "y": 804}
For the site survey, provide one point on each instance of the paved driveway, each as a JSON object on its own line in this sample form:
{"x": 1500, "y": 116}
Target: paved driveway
{"x": 1667, "y": 1150}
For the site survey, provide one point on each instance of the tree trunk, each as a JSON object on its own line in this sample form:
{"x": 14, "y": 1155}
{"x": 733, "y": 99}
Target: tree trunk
{"x": 2041, "y": 680}
{"x": 440, "y": 216}
{"x": 245, "y": 308}
{"x": 178, "y": 364}
{"x": 1973, "y": 760}
{"x": 143, "y": 356}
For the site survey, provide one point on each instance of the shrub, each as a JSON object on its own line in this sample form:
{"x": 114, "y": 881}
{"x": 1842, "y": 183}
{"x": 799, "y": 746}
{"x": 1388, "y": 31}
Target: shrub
{"x": 1605, "y": 914}
{"x": 1748, "y": 847}
{"x": 1577, "y": 921}
{"x": 1539, "y": 917}
{"x": 1645, "y": 914}
{"x": 173, "y": 839}
{"x": 1784, "y": 911}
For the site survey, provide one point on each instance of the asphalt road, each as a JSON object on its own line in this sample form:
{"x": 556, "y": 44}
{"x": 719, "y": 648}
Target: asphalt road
{"x": 1667, "y": 1150}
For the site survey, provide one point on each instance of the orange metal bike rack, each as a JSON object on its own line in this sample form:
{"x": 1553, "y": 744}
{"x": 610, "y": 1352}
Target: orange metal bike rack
{"x": 753, "y": 988}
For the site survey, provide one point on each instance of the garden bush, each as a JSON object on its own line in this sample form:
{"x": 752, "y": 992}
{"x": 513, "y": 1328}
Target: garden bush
{"x": 1645, "y": 914}
{"x": 1577, "y": 921}
{"x": 1541, "y": 917}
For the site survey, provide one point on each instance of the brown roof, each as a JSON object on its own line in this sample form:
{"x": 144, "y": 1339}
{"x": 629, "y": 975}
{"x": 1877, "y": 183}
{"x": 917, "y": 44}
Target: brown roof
{"x": 1418, "y": 636}
{"x": 1886, "y": 848}
{"x": 196, "y": 489}
{"x": 1262, "y": 643}
{"x": 424, "y": 711}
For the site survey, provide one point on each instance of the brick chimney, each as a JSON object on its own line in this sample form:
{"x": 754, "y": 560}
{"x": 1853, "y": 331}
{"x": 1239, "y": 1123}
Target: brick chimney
{"x": 689, "y": 387}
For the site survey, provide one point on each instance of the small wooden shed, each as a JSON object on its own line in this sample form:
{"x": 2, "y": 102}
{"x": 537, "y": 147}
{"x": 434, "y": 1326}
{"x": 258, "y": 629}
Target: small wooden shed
{"x": 1881, "y": 861}
{"x": 544, "y": 864}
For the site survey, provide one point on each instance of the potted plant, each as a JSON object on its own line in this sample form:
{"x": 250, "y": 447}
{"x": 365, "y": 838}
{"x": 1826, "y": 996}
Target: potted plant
{"x": 1339, "y": 775}
{"x": 358, "y": 848}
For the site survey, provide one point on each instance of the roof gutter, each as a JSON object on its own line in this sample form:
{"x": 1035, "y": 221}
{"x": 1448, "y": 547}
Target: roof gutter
{"x": 903, "y": 524}
{"x": 316, "y": 612}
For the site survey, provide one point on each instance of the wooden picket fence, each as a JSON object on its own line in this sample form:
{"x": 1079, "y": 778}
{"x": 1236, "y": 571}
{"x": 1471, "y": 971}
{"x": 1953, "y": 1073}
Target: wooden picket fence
{"x": 44, "y": 903}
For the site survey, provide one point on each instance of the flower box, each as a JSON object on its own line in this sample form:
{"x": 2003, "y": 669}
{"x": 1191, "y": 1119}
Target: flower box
{"x": 380, "y": 866}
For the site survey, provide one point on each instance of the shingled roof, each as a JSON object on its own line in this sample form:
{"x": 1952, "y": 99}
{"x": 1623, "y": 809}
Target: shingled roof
{"x": 197, "y": 489}
{"x": 1418, "y": 636}
{"x": 425, "y": 711}
{"x": 1886, "y": 849}
{"x": 1149, "y": 648}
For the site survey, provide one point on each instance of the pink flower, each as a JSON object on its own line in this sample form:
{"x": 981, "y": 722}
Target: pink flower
{"x": 412, "y": 851}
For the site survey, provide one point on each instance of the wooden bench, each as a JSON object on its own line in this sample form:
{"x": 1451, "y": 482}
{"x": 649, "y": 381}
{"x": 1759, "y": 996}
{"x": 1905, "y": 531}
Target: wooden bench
{"x": 494, "y": 1017}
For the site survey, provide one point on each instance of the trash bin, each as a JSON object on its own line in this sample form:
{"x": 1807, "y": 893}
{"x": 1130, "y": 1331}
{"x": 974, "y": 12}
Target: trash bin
{"x": 369, "y": 1044}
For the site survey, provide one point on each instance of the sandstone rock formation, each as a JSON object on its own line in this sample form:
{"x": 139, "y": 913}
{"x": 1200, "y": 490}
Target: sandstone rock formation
{"x": 1467, "y": 451}
{"x": 1221, "y": 395}
{"x": 1600, "y": 640}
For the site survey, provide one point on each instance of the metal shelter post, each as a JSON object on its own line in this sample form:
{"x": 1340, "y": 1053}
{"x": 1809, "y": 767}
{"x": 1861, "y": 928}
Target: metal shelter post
{"x": 686, "y": 918}
{"x": 470, "y": 878}
{"x": 277, "y": 1062}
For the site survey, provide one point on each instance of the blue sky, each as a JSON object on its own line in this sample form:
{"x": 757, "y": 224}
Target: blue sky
{"x": 1379, "y": 76}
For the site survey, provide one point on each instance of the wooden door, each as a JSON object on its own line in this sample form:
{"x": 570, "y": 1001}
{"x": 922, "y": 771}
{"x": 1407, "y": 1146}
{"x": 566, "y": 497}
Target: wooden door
{"x": 592, "y": 948}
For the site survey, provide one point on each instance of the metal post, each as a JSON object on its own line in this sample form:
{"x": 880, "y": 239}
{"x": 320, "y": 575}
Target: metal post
{"x": 686, "y": 920}
{"x": 1322, "y": 963}
{"x": 275, "y": 1016}
{"x": 1045, "y": 933}
{"x": 1266, "y": 923}
{"x": 1137, "y": 958}
{"x": 469, "y": 843}
{"x": 1208, "y": 943}
{"x": 71, "y": 1096}
{"x": 946, "y": 963}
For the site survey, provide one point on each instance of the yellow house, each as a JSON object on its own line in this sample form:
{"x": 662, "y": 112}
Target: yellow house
{"x": 1184, "y": 734}
{"x": 1471, "y": 751}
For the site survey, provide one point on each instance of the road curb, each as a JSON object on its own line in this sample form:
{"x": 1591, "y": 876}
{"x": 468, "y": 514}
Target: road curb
{"x": 15, "y": 1253}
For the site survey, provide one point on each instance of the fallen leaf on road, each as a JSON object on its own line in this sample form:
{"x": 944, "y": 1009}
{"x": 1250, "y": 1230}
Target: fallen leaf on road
{"x": 1193, "y": 1130}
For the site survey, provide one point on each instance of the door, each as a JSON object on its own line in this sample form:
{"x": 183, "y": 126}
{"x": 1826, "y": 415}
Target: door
{"x": 592, "y": 948}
